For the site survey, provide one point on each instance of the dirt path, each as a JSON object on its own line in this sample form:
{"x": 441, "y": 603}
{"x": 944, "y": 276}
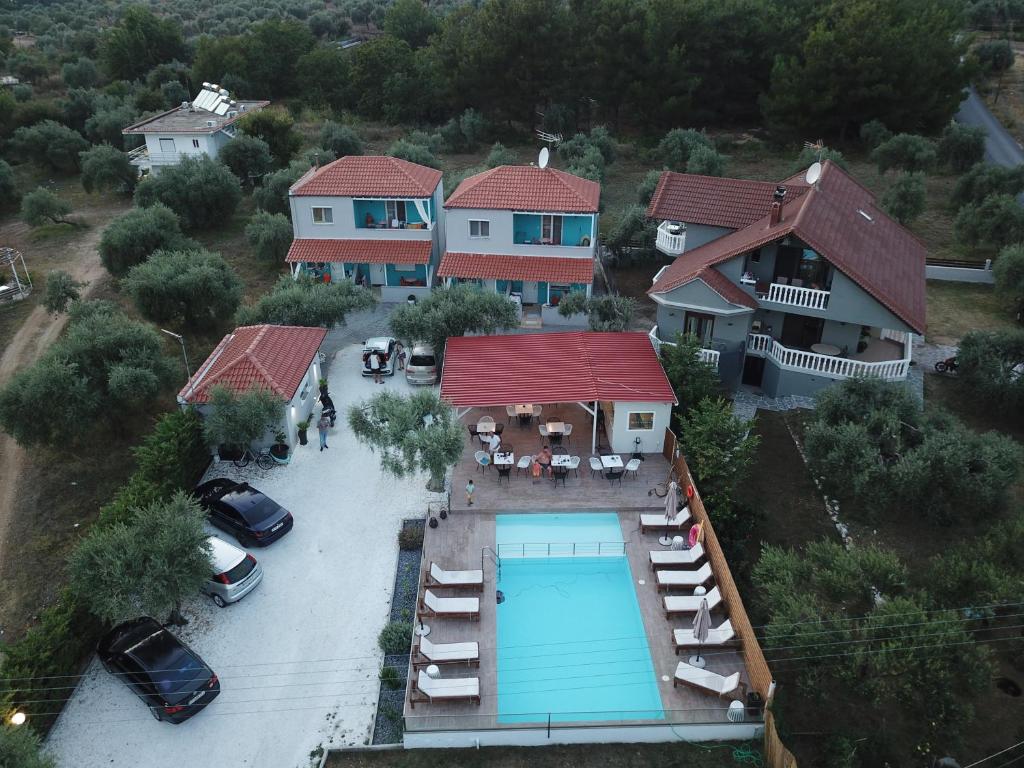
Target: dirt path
{"x": 81, "y": 259}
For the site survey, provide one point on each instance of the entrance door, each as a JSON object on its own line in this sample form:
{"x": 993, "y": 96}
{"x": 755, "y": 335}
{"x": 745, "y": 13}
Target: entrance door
{"x": 700, "y": 325}
{"x": 378, "y": 276}
{"x": 529, "y": 292}
{"x": 753, "y": 371}
{"x": 787, "y": 260}
{"x": 801, "y": 332}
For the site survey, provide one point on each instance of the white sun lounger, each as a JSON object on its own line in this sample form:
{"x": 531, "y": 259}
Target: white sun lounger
{"x": 690, "y": 603}
{"x": 677, "y": 558}
{"x": 717, "y": 637}
{"x": 669, "y": 579}
{"x": 446, "y": 689}
{"x": 704, "y": 680}
{"x": 447, "y": 653}
{"x": 657, "y": 521}
{"x": 454, "y": 607}
{"x": 443, "y": 578}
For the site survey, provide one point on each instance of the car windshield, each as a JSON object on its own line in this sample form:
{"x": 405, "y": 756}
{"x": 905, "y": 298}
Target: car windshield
{"x": 175, "y": 672}
{"x": 253, "y": 505}
{"x": 424, "y": 361}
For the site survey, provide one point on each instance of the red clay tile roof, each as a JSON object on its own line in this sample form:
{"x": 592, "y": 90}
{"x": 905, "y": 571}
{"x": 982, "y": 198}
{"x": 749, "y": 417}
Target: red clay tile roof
{"x": 496, "y": 266}
{"x": 527, "y": 188}
{"x": 360, "y": 251}
{"x": 272, "y": 357}
{"x": 838, "y": 218}
{"x": 732, "y": 203}
{"x": 369, "y": 176}
{"x": 543, "y": 368}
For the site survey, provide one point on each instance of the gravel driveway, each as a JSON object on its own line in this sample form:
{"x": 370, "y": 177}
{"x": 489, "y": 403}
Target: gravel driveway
{"x": 298, "y": 657}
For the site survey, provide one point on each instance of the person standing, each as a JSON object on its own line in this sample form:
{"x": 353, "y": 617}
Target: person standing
{"x": 375, "y": 367}
{"x": 470, "y": 489}
{"x": 400, "y": 352}
{"x": 494, "y": 443}
{"x": 322, "y": 427}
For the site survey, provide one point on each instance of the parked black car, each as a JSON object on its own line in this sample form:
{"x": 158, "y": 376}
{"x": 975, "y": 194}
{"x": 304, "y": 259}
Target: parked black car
{"x": 251, "y": 517}
{"x": 166, "y": 674}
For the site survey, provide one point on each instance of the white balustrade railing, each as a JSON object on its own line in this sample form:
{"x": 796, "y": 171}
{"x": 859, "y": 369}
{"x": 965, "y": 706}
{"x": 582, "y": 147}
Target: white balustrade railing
{"x": 759, "y": 343}
{"x": 709, "y": 356}
{"x": 668, "y": 242}
{"x": 827, "y": 365}
{"x": 797, "y": 296}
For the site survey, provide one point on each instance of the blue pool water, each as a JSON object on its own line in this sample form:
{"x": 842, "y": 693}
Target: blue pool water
{"x": 571, "y": 640}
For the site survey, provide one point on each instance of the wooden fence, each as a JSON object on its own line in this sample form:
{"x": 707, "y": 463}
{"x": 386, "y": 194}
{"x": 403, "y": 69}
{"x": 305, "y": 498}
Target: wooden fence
{"x": 775, "y": 753}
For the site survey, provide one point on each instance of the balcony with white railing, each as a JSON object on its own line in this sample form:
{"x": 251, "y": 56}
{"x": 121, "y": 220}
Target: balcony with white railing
{"x": 835, "y": 366}
{"x": 671, "y": 238}
{"x": 796, "y": 296}
{"x": 709, "y": 356}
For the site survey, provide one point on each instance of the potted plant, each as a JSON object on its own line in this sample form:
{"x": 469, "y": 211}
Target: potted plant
{"x": 279, "y": 450}
{"x": 302, "y": 426}
{"x": 229, "y": 452}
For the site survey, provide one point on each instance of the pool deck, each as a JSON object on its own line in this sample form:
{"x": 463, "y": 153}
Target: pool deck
{"x": 456, "y": 544}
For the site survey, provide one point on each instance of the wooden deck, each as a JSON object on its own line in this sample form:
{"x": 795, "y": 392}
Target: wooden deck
{"x": 458, "y": 543}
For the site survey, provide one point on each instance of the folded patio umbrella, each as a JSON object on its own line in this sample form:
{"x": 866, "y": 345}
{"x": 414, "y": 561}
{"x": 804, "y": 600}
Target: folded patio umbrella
{"x": 671, "y": 502}
{"x": 701, "y": 625}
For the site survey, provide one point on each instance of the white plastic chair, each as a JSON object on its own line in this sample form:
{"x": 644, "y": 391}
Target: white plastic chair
{"x": 567, "y": 430}
{"x": 537, "y": 411}
{"x": 482, "y": 460}
{"x": 485, "y": 424}
{"x": 543, "y": 430}
{"x": 596, "y": 467}
{"x": 523, "y": 463}
{"x": 633, "y": 465}
{"x": 510, "y": 411}
{"x": 574, "y": 464}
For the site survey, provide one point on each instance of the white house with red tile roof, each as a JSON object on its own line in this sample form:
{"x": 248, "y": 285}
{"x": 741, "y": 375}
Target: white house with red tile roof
{"x": 281, "y": 359}
{"x": 790, "y": 286}
{"x": 525, "y": 232}
{"x": 376, "y": 220}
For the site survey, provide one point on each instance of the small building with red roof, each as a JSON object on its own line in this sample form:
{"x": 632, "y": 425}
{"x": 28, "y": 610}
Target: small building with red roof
{"x": 375, "y": 220}
{"x": 526, "y": 232}
{"x": 789, "y": 286}
{"x": 280, "y": 359}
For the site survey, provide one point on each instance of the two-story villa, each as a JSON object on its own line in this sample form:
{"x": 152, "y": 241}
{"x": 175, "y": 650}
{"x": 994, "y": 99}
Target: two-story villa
{"x": 372, "y": 219}
{"x": 526, "y": 232}
{"x": 789, "y": 286}
{"x": 199, "y": 127}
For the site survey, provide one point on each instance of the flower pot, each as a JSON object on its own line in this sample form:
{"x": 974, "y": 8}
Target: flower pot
{"x": 279, "y": 451}
{"x": 303, "y": 439}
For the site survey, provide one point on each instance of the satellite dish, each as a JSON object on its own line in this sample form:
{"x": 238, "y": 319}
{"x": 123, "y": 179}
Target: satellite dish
{"x": 813, "y": 173}
{"x": 542, "y": 160}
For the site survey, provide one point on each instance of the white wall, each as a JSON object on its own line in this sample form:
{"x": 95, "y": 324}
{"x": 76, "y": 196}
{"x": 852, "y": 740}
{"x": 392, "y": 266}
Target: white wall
{"x": 537, "y": 737}
{"x": 300, "y": 407}
{"x": 622, "y": 437}
{"x": 182, "y": 146}
{"x": 344, "y": 226}
{"x": 502, "y": 233}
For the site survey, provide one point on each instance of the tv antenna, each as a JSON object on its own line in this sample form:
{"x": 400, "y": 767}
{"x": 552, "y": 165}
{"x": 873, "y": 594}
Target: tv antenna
{"x": 818, "y": 146}
{"x": 550, "y": 138}
{"x": 542, "y": 158}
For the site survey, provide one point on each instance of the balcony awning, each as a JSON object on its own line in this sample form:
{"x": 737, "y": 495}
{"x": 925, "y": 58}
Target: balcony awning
{"x": 360, "y": 251}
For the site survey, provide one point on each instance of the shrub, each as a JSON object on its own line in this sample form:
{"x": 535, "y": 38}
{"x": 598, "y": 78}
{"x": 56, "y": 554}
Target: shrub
{"x": 674, "y": 149}
{"x": 590, "y": 165}
{"x": 810, "y": 155}
{"x": 985, "y": 179}
{"x": 706, "y": 162}
{"x": 992, "y": 367}
{"x": 248, "y": 158}
{"x": 277, "y": 128}
{"x": 79, "y": 74}
{"x": 500, "y": 155}
{"x": 1008, "y": 271}
{"x": 20, "y": 748}
{"x": 272, "y": 196}
{"x": 235, "y": 420}
{"x": 202, "y": 192}
{"x": 601, "y": 138}
{"x": 61, "y": 290}
{"x": 194, "y": 288}
{"x": 106, "y": 168}
{"x": 390, "y": 678}
{"x": 692, "y": 379}
{"x": 904, "y": 200}
{"x": 130, "y": 239}
{"x": 410, "y": 538}
{"x": 51, "y": 145}
{"x": 996, "y": 222}
{"x": 342, "y": 140}
{"x": 633, "y": 227}
{"x": 137, "y": 492}
{"x": 906, "y": 152}
{"x": 414, "y": 153}
{"x": 8, "y": 187}
{"x": 646, "y": 189}
{"x": 270, "y": 236}
{"x": 962, "y": 146}
{"x": 994, "y": 56}
{"x": 41, "y": 205}
{"x": 395, "y": 638}
{"x": 307, "y": 302}
{"x": 874, "y": 132}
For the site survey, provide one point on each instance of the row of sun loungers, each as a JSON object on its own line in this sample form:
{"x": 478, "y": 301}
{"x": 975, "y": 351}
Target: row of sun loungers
{"x": 658, "y": 522}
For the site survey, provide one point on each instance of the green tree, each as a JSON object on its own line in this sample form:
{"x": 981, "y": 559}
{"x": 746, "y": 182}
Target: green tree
{"x": 994, "y": 56}
{"x": 20, "y": 748}
{"x": 452, "y": 311}
{"x": 272, "y": 196}
{"x": 992, "y": 367}
{"x": 414, "y": 433}
{"x": 1008, "y": 271}
{"x": 202, "y": 192}
{"x": 342, "y": 140}
{"x": 194, "y": 288}
{"x": 110, "y": 116}
{"x": 873, "y": 133}
{"x": 604, "y": 313}
{"x": 306, "y": 302}
{"x": 810, "y": 155}
{"x": 270, "y": 236}
{"x": 376, "y": 67}
{"x": 8, "y": 186}
{"x": 236, "y": 420}
{"x": 677, "y": 145}
{"x": 248, "y": 158}
{"x": 79, "y": 74}
{"x": 985, "y": 179}
{"x": 414, "y": 153}
{"x": 275, "y": 127}
{"x": 219, "y": 56}
{"x": 61, "y": 290}
{"x": 105, "y": 168}
{"x": 41, "y": 205}
{"x": 632, "y": 229}
{"x": 692, "y": 379}
{"x": 706, "y": 162}
{"x": 904, "y": 200}
{"x": 986, "y": 567}
{"x": 647, "y": 186}
{"x": 962, "y": 146}
{"x": 146, "y": 568}
{"x": 905, "y": 152}
{"x": 50, "y": 145}
{"x": 272, "y": 51}
{"x": 500, "y": 155}
{"x": 323, "y": 73}
{"x": 138, "y": 42}
{"x": 410, "y": 21}
{"x": 131, "y": 238}
{"x": 996, "y": 222}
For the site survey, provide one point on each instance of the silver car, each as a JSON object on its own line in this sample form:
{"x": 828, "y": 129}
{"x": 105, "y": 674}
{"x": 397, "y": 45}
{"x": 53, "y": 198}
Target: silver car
{"x": 422, "y": 365}
{"x": 235, "y": 573}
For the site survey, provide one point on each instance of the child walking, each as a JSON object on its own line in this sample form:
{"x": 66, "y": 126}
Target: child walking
{"x": 470, "y": 488}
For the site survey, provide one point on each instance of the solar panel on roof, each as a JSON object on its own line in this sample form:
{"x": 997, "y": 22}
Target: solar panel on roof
{"x": 222, "y": 109}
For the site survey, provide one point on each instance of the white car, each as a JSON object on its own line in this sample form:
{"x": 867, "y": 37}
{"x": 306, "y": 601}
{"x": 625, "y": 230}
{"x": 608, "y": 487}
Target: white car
{"x": 235, "y": 573}
{"x": 384, "y": 346}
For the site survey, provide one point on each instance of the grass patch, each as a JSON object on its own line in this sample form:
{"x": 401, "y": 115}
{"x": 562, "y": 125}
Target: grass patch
{"x": 56, "y": 232}
{"x": 956, "y": 308}
{"x": 13, "y": 314}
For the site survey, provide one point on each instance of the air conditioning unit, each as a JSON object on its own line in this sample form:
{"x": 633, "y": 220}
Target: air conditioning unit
{"x": 233, "y": 113}
{"x": 211, "y": 123}
{"x": 186, "y": 104}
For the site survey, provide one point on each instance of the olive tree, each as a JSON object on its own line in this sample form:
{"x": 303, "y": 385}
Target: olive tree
{"x": 676, "y": 147}
{"x": 1008, "y": 271}
{"x": 705, "y": 161}
{"x": 500, "y": 155}
{"x": 992, "y": 367}
{"x": 342, "y": 140}
{"x": 61, "y": 290}
{"x": 146, "y": 567}
{"x": 692, "y": 379}
{"x": 906, "y": 152}
{"x": 201, "y": 191}
{"x": 307, "y": 302}
{"x": 41, "y": 205}
{"x": 986, "y": 179}
{"x": 414, "y": 433}
{"x": 604, "y": 313}
{"x": 8, "y": 186}
{"x": 994, "y": 223}
{"x": 50, "y": 145}
{"x": 131, "y": 238}
{"x": 248, "y": 157}
{"x": 270, "y": 236}
{"x": 962, "y": 146}
{"x": 414, "y": 153}
{"x": 904, "y": 200}
{"x": 194, "y": 288}
{"x": 272, "y": 195}
{"x": 235, "y": 420}
{"x": 106, "y": 168}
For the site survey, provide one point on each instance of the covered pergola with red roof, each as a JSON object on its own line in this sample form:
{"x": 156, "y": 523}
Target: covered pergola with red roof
{"x": 616, "y": 373}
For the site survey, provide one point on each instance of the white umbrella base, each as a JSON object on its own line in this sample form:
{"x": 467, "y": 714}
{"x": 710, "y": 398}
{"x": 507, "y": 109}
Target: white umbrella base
{"x": 697, "y": 661}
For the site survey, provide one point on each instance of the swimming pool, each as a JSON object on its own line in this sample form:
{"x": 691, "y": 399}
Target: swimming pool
{"x": 571, "y": 640}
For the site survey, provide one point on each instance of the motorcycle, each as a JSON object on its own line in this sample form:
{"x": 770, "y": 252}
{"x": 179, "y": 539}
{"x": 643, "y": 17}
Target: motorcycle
{"x": 949, "y": 365}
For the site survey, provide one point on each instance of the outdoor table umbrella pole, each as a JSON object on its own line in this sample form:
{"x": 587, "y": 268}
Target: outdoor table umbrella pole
{"x": 701, "y": 625}
{"x": 671, "y": 500}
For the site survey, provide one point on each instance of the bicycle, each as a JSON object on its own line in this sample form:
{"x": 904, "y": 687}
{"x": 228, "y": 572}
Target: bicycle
{"x": 263, "y": 460}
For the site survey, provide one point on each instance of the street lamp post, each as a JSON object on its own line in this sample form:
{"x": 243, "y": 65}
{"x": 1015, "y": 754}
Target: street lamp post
{"x": 188, "y": 370}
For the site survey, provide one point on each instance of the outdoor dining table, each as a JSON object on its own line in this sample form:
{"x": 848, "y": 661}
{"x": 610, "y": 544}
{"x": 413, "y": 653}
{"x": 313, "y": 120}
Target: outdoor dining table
{"x": 611, "y": 462}
{"x": 524, "y": 410}
{"x": 486, "y": 427}
{"x": 556, "y": 427}
{"x": 506, "y": 459}
{"x": 826, "y": 349}
{"x": 561, "y": 460}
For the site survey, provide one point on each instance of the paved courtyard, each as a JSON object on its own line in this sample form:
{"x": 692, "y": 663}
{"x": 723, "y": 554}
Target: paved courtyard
{"x": 298, "y": 657}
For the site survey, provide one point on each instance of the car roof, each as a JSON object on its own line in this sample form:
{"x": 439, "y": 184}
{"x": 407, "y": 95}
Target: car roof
{"x": 129, "y": 634}
{"x": 423, "y": 349}
{"x": 378, "y": 342}
{"x": 243, "y": 497}
{"x": 224, "y": 556}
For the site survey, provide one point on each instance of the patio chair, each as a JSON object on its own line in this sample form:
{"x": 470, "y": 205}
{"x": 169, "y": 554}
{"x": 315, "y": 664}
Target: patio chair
{"x": 438, "y": 576}
{"x": 596, "y": 466}
{"x": 505, "y": 471}
{"x": 676, "y": 558}
{"x": 703, "y": 680}
{"x": 537, "y": 411}
{"x": 717, "y": 637}
{"x": 567, "y": 432}
{"x": 574, "y": 464}
{"x": 633, "y": 465}
{"x": 656, "y": 521}
{"x": 559, "y": 473}
{"x": 447, "y": 653}
{"x": 614, "y": 474}
{"x": 444, "y": 689}
{"x": 485, "y": 424}
{"x": 523, "y": 463}
{"x": 682, "y": 579}
{"x": 483, "y": 460}
{"x": 450, "y": 607}
{"x": 675, "y": 604}
{"x": 510, "y": 411}
{"x": 543, "y": 429}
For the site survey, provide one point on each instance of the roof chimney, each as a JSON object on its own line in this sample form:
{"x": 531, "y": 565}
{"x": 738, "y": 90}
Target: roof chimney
{"x": 775, "y": 214}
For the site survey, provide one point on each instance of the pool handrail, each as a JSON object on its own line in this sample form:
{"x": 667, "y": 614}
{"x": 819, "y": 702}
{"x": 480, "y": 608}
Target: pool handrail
{"x": 561, "y": 549}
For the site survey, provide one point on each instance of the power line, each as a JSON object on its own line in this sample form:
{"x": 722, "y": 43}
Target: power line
{"x": 996, "y": 754}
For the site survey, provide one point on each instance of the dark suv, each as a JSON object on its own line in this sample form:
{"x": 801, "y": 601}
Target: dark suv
{"x": 251, "y": 517}
{"x": 164, "y": 672}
